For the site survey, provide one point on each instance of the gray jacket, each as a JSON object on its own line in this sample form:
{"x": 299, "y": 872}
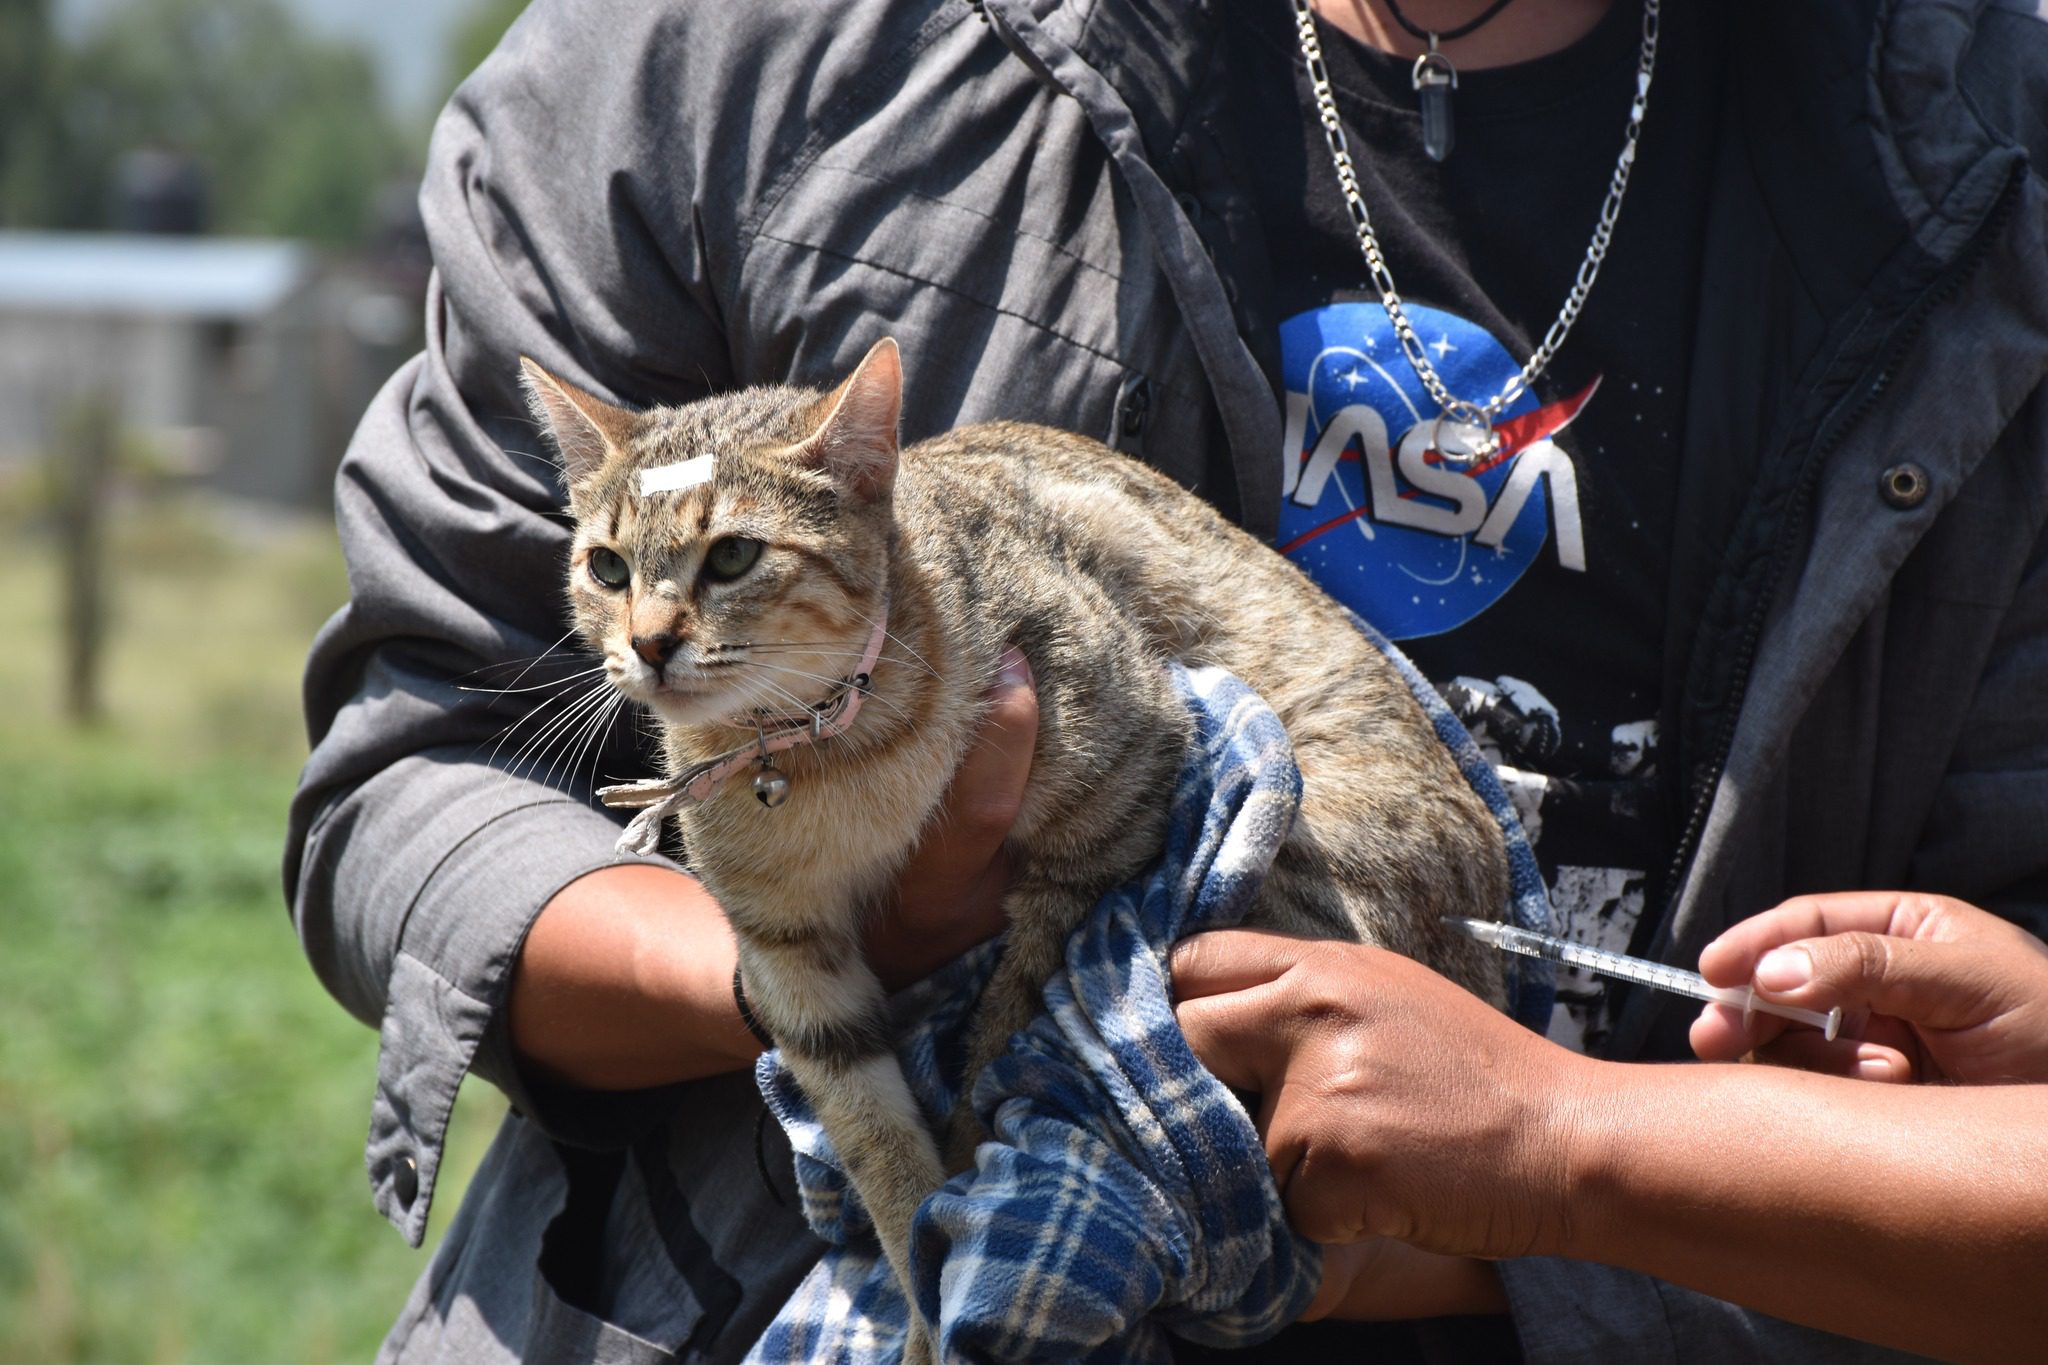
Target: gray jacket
{"x": 659, "y": 200}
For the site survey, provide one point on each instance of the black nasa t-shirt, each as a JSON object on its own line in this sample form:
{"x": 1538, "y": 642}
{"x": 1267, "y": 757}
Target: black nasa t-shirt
{"x": 1531, "y": 591}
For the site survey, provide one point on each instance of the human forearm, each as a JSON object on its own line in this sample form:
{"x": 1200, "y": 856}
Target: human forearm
{"x": 1917, "y": 1218}
{"x": 625, "y": 982}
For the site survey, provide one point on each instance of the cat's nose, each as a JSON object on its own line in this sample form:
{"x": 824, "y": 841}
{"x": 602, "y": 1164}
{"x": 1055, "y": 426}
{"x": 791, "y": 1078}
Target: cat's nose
{"x": 655, "y": 648}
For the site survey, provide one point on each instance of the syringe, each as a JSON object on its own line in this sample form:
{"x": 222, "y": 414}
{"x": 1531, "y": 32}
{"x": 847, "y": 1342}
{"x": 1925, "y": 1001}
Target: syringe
{"x": 1677, "y": 980}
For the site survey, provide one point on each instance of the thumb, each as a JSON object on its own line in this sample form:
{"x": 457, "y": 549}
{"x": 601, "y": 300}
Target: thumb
{"x": 1930, "y": 985}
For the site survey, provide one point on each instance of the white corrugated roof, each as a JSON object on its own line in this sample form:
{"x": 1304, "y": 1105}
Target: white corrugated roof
{"x": 116, "y": 273}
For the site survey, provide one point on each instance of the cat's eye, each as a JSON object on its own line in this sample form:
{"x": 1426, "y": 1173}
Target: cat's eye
{"x": 731, "y": 557}
{"x": 608, "y": 567}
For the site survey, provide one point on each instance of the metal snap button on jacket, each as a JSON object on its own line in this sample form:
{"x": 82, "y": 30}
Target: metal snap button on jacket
{"x": 1904, "y": 485}
{"x": 405, "y": 1181}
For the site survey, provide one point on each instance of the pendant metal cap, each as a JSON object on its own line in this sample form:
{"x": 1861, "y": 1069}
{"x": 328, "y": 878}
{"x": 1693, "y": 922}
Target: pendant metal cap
{"x": 1434, "y": 68}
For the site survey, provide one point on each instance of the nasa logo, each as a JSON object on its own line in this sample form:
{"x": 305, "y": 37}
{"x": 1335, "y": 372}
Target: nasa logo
{"x": 1369, "y": 511}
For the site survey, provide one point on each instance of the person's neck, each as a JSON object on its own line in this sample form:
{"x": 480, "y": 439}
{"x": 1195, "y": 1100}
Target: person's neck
{"x": 1524, "y": 31}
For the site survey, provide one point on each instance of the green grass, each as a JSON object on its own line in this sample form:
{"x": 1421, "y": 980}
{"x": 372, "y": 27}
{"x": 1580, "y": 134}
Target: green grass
{"x": 182, "y": 1107}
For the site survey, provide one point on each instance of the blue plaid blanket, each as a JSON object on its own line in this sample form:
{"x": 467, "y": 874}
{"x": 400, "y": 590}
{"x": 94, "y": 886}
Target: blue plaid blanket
{"x": 1125, "y": 1193}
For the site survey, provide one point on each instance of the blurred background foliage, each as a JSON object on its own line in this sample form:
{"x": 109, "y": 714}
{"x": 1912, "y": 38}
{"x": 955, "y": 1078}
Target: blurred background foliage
{"x": 182, "y": 1107}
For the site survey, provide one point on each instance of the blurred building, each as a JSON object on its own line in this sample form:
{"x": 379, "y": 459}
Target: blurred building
{"x": 240, "y": 364}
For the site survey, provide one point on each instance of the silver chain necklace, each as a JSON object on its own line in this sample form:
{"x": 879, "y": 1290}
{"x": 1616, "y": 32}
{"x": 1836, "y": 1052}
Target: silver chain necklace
{"x": 1464, "y": 429}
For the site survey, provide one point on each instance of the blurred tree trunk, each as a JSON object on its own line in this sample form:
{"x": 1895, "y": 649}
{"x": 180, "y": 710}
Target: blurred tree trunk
{"x": 85, "y": 458}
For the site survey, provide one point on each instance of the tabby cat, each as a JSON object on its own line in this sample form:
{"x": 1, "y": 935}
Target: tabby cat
{"x": 736, "y": 559}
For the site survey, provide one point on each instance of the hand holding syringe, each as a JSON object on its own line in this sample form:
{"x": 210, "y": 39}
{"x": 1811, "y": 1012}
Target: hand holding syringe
{"x": 1509, "y": 938}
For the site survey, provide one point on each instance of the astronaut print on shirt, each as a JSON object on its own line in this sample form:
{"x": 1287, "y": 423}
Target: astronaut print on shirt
{"x": 1424, "y": 549}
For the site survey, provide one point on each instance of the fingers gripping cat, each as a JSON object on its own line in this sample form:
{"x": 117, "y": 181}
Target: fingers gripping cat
{"x": 791, "y": 594}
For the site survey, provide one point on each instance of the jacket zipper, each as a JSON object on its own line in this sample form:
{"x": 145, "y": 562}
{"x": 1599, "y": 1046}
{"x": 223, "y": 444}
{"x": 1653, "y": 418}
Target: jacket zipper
{"x": 1904, "y": 334}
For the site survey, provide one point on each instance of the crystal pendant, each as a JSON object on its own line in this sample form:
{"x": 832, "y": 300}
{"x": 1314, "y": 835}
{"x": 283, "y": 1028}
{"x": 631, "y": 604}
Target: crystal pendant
{"x": 1435, "y": 78}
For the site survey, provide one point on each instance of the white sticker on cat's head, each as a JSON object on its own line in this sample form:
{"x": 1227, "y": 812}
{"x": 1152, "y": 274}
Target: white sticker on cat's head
{"x": 674, "y": 478}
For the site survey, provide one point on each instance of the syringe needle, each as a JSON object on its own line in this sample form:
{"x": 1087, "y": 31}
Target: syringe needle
{"x": 1660, "y": 976}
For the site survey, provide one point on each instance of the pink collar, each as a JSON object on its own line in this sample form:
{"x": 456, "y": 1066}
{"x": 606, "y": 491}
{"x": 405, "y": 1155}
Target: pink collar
{"x": 655, "y": 799}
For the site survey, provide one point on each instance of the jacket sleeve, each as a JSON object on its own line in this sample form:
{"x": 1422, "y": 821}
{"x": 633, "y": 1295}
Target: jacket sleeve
{"x": 447, "y": 796}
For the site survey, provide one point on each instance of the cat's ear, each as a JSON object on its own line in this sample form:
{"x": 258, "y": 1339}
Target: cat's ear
{"x": 584, "y": 428}
{"x": 855, "y": 437}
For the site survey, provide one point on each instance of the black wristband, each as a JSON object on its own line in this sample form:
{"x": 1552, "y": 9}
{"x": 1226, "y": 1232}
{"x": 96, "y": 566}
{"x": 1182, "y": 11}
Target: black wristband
{"x": 739, "y": 997}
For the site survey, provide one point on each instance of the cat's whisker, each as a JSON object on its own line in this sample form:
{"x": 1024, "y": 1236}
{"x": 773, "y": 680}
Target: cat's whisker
{"x": 833, "y": 679}
{"x": 515, "y": 660}
{"x": 591, "y": 726}
{"x": 537, "y": 687}
{"x": 527, "y": 758}
{"x": 533, "y": 713}
{"x": 833, "y": 648}
{"x": 568, "y": 754}
{"x": 529, "y": 664}
{"x": 604, "y": 740}
{"x": 799, "y": 703}
{"x": 529, "y": 455}
{"x": 524, "y": 661}
{"x": 824, "y": 652}
{"x": 778, "y": 690}
{"x": 848, "y": 651}
{"x": 529, "y": 753}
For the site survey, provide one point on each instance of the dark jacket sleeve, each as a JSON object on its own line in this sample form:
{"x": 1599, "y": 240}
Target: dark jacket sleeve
{"x": 447, "y": 797}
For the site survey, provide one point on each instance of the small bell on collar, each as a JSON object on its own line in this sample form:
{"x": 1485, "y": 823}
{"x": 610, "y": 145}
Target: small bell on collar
{"x": 771, "y": 786}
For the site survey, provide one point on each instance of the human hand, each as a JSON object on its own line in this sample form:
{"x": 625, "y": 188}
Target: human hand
{"x": 950, "y": 896}
{"x": 1392, "y": 1102}
{"x": 1931, "y": 989}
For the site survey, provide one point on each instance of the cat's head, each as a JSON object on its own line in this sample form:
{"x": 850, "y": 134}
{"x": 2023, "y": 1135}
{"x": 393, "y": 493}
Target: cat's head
{"x": 751, "y": 572}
